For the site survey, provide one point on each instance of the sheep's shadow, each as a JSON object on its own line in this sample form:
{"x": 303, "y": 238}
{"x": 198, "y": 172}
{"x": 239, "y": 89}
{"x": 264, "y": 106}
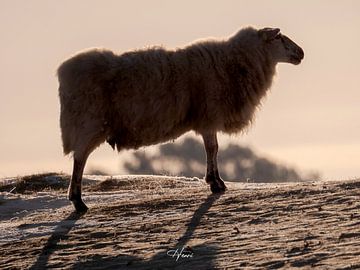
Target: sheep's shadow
{"x": 196, "y": 218}
{"x": 59, "y": 233}
{"x": 202, "y": 256}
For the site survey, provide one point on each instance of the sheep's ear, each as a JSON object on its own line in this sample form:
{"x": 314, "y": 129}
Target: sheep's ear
{"x": 269, "y": 33}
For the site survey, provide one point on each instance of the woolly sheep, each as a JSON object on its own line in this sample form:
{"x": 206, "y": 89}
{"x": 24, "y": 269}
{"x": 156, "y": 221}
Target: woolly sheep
{"x": 150, "y": 96}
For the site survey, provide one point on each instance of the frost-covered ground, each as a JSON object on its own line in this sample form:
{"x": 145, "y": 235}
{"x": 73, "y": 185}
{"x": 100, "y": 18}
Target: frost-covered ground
{"x": 152, "y": 222}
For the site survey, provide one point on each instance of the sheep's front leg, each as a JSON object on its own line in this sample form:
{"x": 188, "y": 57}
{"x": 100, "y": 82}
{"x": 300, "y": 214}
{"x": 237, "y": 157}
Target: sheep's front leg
{"x": 212, "y": 173}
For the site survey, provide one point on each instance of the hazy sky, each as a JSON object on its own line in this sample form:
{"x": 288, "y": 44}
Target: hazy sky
{"x": 310, "y": 118}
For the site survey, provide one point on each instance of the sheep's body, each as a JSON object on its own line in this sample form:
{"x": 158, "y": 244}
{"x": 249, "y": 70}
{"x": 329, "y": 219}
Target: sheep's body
{"x": 149, "y": 96}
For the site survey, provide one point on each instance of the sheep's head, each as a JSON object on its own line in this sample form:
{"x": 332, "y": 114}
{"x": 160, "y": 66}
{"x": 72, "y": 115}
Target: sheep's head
{"x": 282, "y": 48}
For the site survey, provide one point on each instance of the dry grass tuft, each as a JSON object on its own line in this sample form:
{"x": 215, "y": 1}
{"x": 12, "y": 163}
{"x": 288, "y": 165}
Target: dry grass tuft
{"x": 37, "y": 182}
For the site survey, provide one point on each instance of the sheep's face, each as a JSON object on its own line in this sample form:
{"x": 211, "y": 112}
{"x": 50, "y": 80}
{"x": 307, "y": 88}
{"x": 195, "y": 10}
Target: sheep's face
{"x": 282, "y": 48}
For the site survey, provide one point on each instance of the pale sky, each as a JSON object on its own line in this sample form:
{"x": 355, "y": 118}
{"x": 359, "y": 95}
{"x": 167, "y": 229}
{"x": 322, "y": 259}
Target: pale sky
{"x": 310, "y": 119}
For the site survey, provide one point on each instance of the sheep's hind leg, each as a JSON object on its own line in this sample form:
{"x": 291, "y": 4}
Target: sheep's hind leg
{"x": 212, "y": 177}
{"x": 75, "y": 183}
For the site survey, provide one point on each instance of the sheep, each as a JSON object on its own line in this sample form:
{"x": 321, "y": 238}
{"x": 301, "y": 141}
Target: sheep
{"x": 153, "y": 95}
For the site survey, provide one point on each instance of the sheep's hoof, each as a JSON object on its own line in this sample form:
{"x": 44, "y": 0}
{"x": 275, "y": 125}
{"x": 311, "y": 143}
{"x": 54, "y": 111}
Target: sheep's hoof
{"x": 217, "y": 187}
{"x": 80, "y": 206}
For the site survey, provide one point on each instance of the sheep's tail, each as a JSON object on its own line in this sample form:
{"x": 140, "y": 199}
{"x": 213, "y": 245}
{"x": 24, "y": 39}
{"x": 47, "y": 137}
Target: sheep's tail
{"x": 66, "y": 118}
{"x": 66, "y": 142}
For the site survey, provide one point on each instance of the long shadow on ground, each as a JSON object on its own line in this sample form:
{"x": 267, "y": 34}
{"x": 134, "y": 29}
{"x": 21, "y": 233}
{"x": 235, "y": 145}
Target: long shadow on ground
{"x": 60, "y": 232}
{"x": 198, "y": 257}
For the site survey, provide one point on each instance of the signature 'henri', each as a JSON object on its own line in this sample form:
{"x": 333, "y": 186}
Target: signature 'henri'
{"x": 175, "y": 253}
